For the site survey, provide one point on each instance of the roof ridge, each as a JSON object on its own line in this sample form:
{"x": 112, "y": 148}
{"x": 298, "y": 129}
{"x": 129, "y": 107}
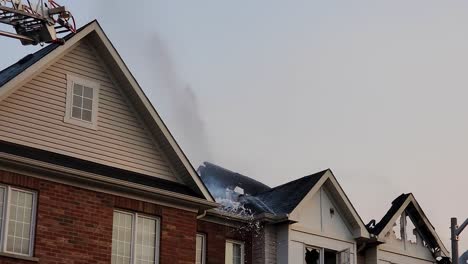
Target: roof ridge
{"x": 294, "y": 181}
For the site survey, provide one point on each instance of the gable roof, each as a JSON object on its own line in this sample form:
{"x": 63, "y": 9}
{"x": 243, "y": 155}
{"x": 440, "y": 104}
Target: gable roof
{"x": 407, "y": 203}
{"x": 283, "y": 199}
{"x": 25, "y": 69}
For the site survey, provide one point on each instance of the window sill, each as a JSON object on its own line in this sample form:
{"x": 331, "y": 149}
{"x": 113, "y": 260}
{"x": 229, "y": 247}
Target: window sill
{"x": 8, "y": 255}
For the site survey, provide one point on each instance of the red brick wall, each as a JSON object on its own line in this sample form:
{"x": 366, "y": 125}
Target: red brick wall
{"x": 74, "y": 225}
{"x": 216, "y": 236}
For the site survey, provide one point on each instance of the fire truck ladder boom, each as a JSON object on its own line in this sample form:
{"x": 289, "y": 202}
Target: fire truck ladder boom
{"x": 36, "y": 25}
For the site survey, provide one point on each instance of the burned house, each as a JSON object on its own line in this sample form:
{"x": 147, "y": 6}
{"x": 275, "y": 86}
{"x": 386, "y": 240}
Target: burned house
{"x": 310, "y": 216}
{"x": 311, "y": 221}
{"x": 404, "y": 235}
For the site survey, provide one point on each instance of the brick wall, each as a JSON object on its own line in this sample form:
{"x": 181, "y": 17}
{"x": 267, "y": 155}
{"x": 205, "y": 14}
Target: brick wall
{"x": 216, "y": 236}
{"x": 264, "y": 246}
{"x": 74, "y": 225}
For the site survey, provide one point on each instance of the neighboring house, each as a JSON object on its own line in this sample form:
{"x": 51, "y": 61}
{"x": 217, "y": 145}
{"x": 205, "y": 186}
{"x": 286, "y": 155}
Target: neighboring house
{"x": 405, "y": 235}
{"x": 310, "y": 217}
{"x": 311, "y": 221}
{"x": 89, "y": 173}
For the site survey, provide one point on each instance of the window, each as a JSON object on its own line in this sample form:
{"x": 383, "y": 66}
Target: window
{"x": 315, "y": 255}
{"x": 234, "y": 252}
{"x": 82, "y": 102}
{"x": 135, "y": 239}
{"x": 200, "y": 249}
{"x": 17, "y": 220}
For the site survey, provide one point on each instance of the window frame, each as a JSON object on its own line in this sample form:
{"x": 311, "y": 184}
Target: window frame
{"x": 157, "y": 242}
{"x": 71, "y": 81}
{"x": 6, "y": 215}
{"x": 322, "y": 253}
{"x": 203, "y": 260}
{"x": 241, "y": 243}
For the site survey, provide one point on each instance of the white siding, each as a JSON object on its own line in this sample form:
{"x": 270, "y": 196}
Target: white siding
{"x": 33, "y": 116}
{"x": 314, "y": 215}
{"x": 399, "y": 251}
{"x": 317, "y": 227}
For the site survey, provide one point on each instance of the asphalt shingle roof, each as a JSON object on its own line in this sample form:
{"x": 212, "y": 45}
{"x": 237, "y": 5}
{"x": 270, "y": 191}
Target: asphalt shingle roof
{"x": 258, "y": 197}
{"x": 284, "y": 198}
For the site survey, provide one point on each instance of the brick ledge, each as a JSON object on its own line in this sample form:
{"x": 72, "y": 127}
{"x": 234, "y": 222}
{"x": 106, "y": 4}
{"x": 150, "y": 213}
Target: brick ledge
{"x": 9, "y": 255}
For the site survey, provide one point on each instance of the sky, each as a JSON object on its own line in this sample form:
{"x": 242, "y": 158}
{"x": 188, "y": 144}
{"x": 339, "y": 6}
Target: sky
{"x": 276, "y": 90}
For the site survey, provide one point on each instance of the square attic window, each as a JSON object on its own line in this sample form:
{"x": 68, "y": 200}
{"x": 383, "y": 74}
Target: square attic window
{"x": 82, "y": 102}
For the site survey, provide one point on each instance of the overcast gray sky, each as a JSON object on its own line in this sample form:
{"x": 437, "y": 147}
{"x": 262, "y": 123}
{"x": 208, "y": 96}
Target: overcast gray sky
{"x": 375, "y": 90}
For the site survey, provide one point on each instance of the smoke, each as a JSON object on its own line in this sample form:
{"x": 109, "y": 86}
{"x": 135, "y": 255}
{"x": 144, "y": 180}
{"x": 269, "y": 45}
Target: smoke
{"x": 176, "y": 101}
{"x": 153, "y": 66}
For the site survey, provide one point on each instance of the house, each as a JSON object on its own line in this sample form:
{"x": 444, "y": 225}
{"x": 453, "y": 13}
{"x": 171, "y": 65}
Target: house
{"x": 308, "y": 216}
{"x": 404, "y": 235}
{"x": 311, "y": 220}
{"x": 89, "y": 173}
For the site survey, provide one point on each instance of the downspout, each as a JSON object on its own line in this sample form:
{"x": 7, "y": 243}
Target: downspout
{"x": 202, "y": 215}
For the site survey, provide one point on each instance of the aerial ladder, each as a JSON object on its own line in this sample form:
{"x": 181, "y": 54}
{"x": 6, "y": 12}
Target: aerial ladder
{"x": 36, "y": 23}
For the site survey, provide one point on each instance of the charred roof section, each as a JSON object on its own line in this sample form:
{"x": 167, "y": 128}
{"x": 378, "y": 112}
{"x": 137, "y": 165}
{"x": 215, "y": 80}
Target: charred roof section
{"x": 218, "y": 179}
{"x": 396, "y": 204}
{"x": 258, "y": 197}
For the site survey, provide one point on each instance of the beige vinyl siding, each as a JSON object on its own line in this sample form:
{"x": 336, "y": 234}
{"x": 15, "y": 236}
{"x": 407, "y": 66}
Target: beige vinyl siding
{"x": 33, "y": 116}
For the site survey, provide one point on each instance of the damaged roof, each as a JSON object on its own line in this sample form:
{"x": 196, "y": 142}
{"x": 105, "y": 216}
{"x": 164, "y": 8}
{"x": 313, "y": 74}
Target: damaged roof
{"x": 218, "y": 179}
{"x": 396, "y": 204}
{"x": 408, "y": 204}
{"x": 258, "y": 197}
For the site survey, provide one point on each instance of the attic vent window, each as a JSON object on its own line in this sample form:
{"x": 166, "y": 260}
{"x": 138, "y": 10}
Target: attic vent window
{"x": 82, "y": 102}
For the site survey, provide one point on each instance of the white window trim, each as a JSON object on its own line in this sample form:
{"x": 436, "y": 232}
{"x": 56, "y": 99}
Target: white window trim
{"x": 135, "y": 216}
{"x": 71, "y": 80}
{"x": 203, "y": 247}
{"x": 6, "y": 214}
{"x": 242, "y": 244}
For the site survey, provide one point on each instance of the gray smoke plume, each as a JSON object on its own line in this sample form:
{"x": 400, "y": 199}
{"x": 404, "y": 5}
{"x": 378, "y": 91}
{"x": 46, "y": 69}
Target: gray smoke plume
{"x": 177, "y": 101}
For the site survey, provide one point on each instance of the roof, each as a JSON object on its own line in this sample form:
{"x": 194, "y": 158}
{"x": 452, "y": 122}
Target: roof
{"x": 396, "y": 204}
{"x": 258, "y": 197}
{"x": 283, "y": 201}
{"x": 407, "y": 203}
{"x": 17, "y": 74}
{"x": 284, "y": 198}
{"x": 218, "y": 179}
